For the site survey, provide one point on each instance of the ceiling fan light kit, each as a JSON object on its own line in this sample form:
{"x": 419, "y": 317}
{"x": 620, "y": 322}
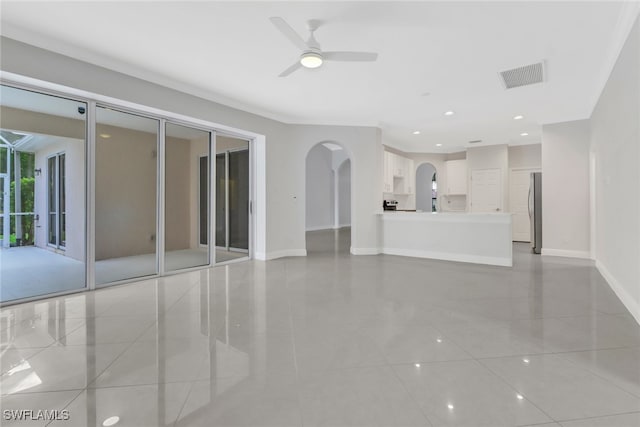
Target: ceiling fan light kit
{"x": 311, "y": 60}
{"x": 312, "y": 56}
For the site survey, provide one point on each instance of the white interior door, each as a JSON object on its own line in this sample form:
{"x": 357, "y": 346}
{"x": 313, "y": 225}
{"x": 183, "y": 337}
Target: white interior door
{"x": 519, "y": 182}
{"x": 486, "y": 190}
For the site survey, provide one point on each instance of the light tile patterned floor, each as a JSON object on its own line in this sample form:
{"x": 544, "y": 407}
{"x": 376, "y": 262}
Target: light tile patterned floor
{"x": 334, "y": 340}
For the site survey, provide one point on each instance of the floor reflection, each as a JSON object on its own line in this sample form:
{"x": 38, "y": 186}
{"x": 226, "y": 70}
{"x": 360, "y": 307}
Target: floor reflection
{"x": 330, "y": 339}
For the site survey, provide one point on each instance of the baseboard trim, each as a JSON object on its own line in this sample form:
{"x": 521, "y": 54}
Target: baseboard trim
{"x": 444, "y": 256}
{"x": 632, "y": 305}
{"x": 364, "y": 251}
{"x": 566, "y": 253}
{"x": 261, "y": 256}
{"x": 320, "y": 228}
{"x": 327, "y": 227}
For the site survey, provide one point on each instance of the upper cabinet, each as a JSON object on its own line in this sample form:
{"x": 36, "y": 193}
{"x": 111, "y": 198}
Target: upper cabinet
{"x": 399, "y": 165}
{"x": 388, "y": 172}
{"x": 456, "y": 177}
{"x": 398, "y": 174}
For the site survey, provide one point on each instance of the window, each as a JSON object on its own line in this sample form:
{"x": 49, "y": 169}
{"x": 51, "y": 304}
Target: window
{"x": 56, "y": 228}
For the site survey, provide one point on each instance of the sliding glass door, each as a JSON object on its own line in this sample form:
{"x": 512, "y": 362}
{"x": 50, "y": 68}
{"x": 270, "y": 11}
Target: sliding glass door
{"x": 145, "y": 180}
{"x": 42, "y": 179}
{"x": 186, "y": 197}
{"x": 238, "y": 200}
{"x": 232, "y": 198}
{"x": 126, "y": 195}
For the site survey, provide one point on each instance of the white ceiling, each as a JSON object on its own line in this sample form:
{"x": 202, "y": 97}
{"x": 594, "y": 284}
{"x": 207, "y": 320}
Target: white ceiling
{"x": 230, "y": 52}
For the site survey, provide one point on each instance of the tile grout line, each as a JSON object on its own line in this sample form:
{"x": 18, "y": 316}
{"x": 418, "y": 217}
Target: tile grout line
{"x": 68, "y": 404}
{"x": 589, "y": 370}
{"x": 599, "y": 416}
{"x": 186, "y": 399}
{"x": 293, "y": 345}
{"x": 413, "y": 398}
{"x": 504, "y": 381}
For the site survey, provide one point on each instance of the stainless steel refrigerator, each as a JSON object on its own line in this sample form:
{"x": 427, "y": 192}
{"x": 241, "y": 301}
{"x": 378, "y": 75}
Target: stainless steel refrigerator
{"x": 535, "y": 211}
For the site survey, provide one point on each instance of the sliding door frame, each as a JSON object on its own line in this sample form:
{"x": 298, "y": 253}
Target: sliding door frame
{"x": 250, "y": 222}
{"x": 227, "y": 157}
{"x": 92, "y": 101}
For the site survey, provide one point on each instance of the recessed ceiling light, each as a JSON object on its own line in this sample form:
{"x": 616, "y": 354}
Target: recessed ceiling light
{"x": 438, "y": 145}
{"x": 416, "y": 132}
{"x": 417, "y": 365}
{"x": 526, "y": 361}
{"x": 518, "y": 117}
{"x": 450, "y": 406}
{"x": 449, "y": 113}
{"x": 519, "y": 396}
{"x": 105, "y": 135}
{"x": 439, "y": 340}
{"x": 524, "y": 134}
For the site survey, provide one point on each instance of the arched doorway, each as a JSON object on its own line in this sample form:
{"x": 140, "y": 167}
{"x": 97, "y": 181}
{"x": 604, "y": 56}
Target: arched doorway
{"x": 328, "y": 198}
{"x": 427, "y": 188}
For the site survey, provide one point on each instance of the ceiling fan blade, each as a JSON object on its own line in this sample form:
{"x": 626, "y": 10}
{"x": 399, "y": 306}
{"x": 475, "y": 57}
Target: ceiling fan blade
{"x": 291, "y": 69}
{"x": 350, "y": 56}
{"x": 289, "y": 32}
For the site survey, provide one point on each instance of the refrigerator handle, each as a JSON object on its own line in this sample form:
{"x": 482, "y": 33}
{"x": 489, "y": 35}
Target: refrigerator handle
{"x": 529, "y": 202}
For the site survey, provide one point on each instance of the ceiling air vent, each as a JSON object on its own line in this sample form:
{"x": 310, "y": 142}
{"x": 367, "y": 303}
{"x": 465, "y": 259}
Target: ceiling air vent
{"x": 523, "y": 76}
{"x": 475, "y": 141}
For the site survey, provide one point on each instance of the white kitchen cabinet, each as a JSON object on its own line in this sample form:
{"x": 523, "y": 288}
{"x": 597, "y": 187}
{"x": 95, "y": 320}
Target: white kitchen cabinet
{"x": 410, "y": 177}
{"x": 398, "y": 174}
{"x": 399, "y": 166}
{"x": 388, "y": 172}
{"x": 456, "y": 176}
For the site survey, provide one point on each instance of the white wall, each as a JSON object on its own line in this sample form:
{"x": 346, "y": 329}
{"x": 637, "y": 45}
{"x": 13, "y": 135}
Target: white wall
{"x": 285, "y": 149}
{"x": 344, "y": 193}
{"x": 615, "y": 140}
{"x": 364, "y": 147}
{"x": 525, "y": 156}
{"x": 565, "y": 189}
{"x": 319, "y": 189}
{"x": 490, "y": 157}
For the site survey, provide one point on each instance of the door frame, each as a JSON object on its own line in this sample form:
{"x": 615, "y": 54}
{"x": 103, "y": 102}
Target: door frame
{"x": 58, "y": 246}
{"x": 250, "y": 227}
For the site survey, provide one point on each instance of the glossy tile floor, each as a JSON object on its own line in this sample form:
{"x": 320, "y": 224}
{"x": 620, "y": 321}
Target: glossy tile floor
{"x": 30, "y": 271}
{"x": 332, "y": 340}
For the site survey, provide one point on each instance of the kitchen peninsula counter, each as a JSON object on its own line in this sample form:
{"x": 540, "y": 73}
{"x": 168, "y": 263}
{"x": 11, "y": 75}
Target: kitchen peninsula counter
{"x": 481, "y": 238}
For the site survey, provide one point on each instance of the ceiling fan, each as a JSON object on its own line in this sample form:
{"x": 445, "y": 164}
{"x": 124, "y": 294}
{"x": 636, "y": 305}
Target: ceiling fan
{"x": 312, "y": 56}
